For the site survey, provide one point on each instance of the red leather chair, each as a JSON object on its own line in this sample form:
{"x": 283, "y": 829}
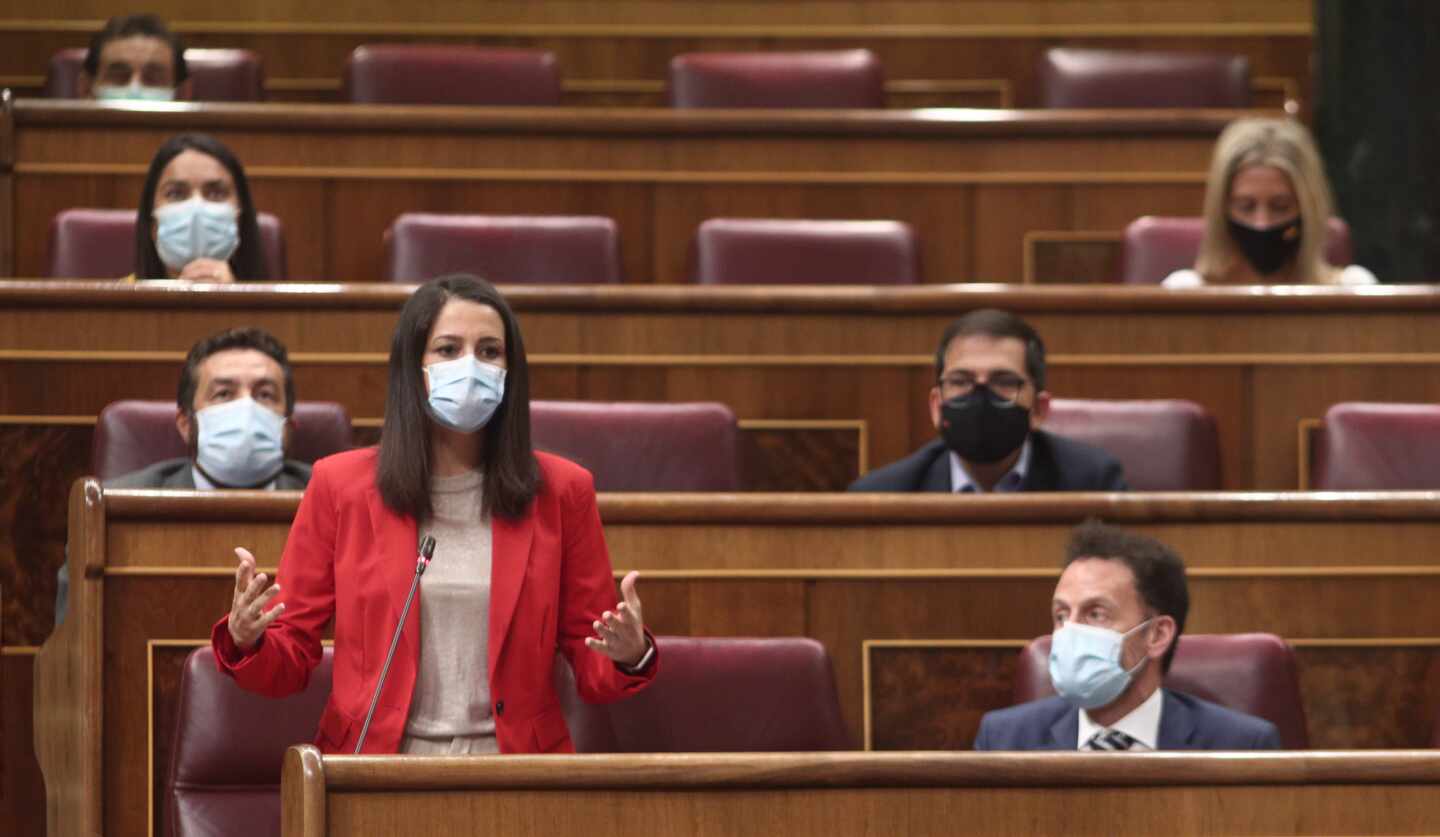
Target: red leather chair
{"x": 1164, "y": 445}
{"x": 228, "y": 746}
{"x": 1155, "y": 247}
{"x": 216, "y": 75}
{"x": 849, "y": 78}
{"x": 1377, "y": 447}
{"x": 130, "y": 435}
{"x": 568, "y": 249}
{"x": 1250, "y": 673}
{"x": 774, "y": 251}
{"x": 1071, "y": 77}
{"x": 717, "y": 695}
{"x": 450, "y": 74}
{"x": 642, "y": 446}
{"x": 100, "y": 244}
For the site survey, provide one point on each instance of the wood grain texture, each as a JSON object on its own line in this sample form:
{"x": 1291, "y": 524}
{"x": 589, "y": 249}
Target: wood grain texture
{"x": 21, "y": 784}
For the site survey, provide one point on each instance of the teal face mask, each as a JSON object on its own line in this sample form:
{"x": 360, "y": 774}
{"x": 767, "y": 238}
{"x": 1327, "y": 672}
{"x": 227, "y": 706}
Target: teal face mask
{"x": 464, "y": 393}
{"x": 1085, "y": 666}
{"x": 196, "y": 229}
{"x": 241, "y": 444}
{"x": 134, "y": 92}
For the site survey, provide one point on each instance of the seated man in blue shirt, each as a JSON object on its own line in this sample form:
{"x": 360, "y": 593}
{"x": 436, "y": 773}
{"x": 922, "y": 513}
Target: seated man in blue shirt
{"x": 987, "y": 405}
{"x": 1118, "y": 610}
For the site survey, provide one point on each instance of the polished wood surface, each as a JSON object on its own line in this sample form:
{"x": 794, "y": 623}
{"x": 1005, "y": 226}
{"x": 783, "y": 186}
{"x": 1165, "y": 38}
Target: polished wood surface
{"x": 860, "y": 793}
{"x": 844, "y": 569}
{"x": 972, "y": 183}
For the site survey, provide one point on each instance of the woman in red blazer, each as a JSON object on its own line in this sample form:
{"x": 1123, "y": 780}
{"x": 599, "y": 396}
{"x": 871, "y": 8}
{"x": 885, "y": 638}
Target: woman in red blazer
{"x": 458, "y": 403}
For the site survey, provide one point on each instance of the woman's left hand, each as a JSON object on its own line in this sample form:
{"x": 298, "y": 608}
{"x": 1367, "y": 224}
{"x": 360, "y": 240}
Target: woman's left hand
{"x": 207, "y": 270}
{"x": 620, "y": 634}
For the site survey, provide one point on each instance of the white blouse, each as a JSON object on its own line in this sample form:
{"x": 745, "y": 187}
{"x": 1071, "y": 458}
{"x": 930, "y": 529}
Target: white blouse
{"x": 1352, "y": 276}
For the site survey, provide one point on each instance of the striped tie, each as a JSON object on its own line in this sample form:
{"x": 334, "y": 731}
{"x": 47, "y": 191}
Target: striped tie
{"x": 1110, "y": 740}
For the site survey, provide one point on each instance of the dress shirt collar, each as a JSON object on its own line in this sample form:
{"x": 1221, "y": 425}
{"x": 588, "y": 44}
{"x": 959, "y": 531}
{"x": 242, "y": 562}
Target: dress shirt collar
{"x": 960, "y": 481}
{"x": 1142, "y": 724}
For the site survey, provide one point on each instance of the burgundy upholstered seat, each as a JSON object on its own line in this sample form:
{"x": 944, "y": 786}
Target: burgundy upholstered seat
{"x": 1377, "y": 447}
{"x": 553, "y": 249}
{"x": 1250, "y": 673}
{"x": 1155, "y": 247}
{"x": 850, "y": 78}
{"x": 216, "y": 75}
{"x": 643, "y": 446}
{"x": 1073, "y": 77}
{"x": 131, "y": 435}
{"x": 450, "y": 74}
{"x": 100, "y": 244}
{"x": 228, "y": 746}
{"x": 717, "y": 695}
{"x": 1163, "y": 445}
{"x": 777, "y": 251}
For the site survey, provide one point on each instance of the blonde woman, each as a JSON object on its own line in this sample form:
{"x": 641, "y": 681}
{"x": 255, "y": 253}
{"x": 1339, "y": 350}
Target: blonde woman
{"x": 1267, "y": 204}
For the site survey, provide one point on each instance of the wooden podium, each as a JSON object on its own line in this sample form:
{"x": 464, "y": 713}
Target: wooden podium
{"x": 842, "y": 794}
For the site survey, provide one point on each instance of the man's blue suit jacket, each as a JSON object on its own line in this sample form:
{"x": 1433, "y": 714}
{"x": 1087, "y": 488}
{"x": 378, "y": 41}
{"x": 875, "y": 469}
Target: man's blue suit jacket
{"x": 1186, "y": 723}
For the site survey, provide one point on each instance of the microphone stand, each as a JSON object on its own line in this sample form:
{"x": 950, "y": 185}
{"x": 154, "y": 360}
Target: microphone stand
{"x": 427, "y": 550}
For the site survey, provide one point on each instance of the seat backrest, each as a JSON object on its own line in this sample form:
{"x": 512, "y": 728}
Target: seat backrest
{"x": 778, "y": 251}
{"x": 551, "y": 249}
{"x": 130, "y": 435}
{"x": 1073, "y": 77}
{"x": 228, "y": 746}
{"x": 643, "y": 446}
{"x": 216, "y": 75}
{"x": 100, "y": 244}
{"x": 850, "y": 78}
{"x": 1154, "y": 247}
{"x": 1163, "y": 445}
{"x": 1377, "y": 447}
{"x": 1251, "y": 673}
{"x": 717, "y": 695}
{"x": 450, "y": 74}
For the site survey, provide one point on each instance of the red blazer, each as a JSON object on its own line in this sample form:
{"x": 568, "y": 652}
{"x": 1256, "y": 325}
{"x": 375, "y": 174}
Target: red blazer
{"x": 350, "y": 557}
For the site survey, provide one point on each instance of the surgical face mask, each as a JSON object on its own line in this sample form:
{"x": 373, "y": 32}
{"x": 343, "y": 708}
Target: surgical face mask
{"x": 464, "y": 393}
{"x": 196, "y": 229}
{"x": 135, "y": 91}
{"x": 1267, "y": 249}
{"x": 240, "y": 444}
{"x": 1085, "y": 666}
{"x": 979, "y": 427}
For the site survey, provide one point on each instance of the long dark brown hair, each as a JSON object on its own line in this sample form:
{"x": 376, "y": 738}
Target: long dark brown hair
{"x": 248, "y": 261}
{"x": 512, "y": 476}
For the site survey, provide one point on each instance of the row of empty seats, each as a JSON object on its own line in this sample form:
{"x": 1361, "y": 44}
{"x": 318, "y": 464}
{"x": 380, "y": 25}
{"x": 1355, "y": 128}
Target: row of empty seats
{"x": 585, "y": 249}
{"x": 1163, "y": 445}
{"x": 471, "y": 75}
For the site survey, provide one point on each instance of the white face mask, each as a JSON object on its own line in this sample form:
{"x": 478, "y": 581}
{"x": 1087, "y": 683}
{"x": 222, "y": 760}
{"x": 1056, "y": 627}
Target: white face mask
{"x": 241, "y": 443}
{"x": 464, "y": 393}
{"x": 1085, "y": 666}
{"x": 196, "y": 229}
{"x": 134, "y": 91}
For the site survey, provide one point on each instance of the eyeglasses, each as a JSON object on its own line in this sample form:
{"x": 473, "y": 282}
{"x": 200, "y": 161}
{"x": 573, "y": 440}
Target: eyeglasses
{"x": 1006, "y": 386}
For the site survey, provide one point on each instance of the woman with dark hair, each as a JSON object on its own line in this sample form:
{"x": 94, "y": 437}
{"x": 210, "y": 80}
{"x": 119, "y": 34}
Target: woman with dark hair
{"x": 520, "y": 568}
{"x": 196, "y": 219}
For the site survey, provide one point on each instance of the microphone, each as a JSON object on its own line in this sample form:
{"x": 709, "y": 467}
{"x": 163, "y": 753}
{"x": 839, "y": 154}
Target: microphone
{"x": 427, "y": 551}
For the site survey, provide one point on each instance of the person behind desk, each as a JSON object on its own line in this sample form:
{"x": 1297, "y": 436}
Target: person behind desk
{"x": 1118, "y": 611}
{"x": 1267, "y": 207}
{"x": 196, "y": 220}
{"x": 134, "y": 57}
{"x": 236, "y": 396}
{"x": 987, "y": 404}
{"x": 520, "y": 567}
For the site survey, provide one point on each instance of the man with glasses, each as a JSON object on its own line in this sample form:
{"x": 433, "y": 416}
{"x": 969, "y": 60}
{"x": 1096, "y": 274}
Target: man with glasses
{"x": 987, "y": 404}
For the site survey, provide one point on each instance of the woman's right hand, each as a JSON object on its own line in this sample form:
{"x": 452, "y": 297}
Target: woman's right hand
{"x": 248, "y": 617}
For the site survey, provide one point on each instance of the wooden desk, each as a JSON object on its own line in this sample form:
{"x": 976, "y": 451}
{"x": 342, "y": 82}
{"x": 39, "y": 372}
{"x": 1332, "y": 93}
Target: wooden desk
{"x": 971, "y": 182}
{"x": 944, "y": 590}
{"x": 844, "y": 794}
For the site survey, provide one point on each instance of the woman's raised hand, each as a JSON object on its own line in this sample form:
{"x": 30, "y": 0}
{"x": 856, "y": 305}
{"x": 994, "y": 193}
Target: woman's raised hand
{"x": 248, "y": 617}
{"x": 620, "y": 634}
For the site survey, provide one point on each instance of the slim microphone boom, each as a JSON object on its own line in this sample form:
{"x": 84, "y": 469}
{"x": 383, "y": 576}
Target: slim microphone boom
{"x": 427, "y": 550}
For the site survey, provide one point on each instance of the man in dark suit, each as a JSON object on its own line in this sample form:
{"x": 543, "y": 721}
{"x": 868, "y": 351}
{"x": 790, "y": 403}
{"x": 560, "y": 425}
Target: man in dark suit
{"x": 987, "y": 405}
{"x": 1119, "y": 608}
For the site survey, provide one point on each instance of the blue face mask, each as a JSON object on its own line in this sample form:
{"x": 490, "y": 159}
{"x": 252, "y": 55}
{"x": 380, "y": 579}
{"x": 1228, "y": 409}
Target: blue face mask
{"x": 464, "y": 393}
{"x": 135, "y": 92}
{"x": 196, "y": 229}
{"x": 1085, "y": 665}
{"x": 241, "y": 444}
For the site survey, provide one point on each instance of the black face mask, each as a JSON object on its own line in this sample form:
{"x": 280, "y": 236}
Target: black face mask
{"x": 1269, "y": 249}
{"x": 981, "y": 428}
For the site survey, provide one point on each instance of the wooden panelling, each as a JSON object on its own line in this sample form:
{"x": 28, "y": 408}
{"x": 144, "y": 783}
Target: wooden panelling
{"x": 1071, "y": 257}
{"x": 21, "y": 785}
